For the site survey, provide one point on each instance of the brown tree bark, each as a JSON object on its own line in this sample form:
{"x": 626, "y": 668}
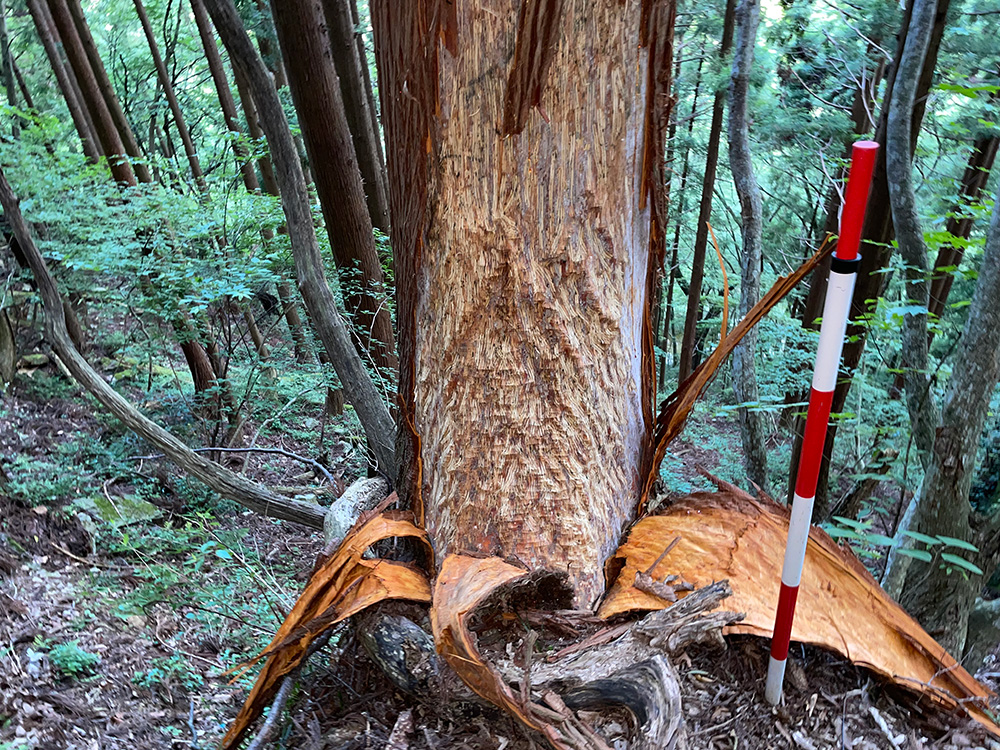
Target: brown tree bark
{"x": 225, "y": 95}
{"x": 7, "y": 66}
{"x": 107, "y": 91}
{"x": 316, "y": 92}
{"x": 267, "y": 179}
{"x": 351, "y": 70}
{"x": 104, "y": 126}
{"x": 359, "y": 389}
{"x": 22, "y": 85}
{"x": 751, "y": 230}
{"x": 693, "y": 313}
{"x": 295, "y": 327}
{"x": 523, "y": 257}
{"x": 168, "y": 90}
{"x": 47, "y": 35}
{"x": 254, "y": 496}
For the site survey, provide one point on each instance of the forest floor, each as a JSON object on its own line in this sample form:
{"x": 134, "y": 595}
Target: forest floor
{"x": 117, "y": 629}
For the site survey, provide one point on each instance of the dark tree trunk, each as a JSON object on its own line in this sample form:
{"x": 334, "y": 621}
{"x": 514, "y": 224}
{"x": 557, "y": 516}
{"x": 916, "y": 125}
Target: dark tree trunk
{"x": 107, "y": 133}
{"x": 175, "y": 107}
{"x": 705, "y": 210}
{"x": 351, "y": 70}
{"x": 295, "y": 327}
{"x": 316, "y": 92}
{"x": 267, "y": 179}
{"x": 7, "y": 65}
{"x": 226, "y": 101}
{"x": 358, "y": 386}
{"x": 23, "y": 86}
{"x": 46, "y": 33}
{"x": 751, "y": 226}
{"x": 107, "y": 91}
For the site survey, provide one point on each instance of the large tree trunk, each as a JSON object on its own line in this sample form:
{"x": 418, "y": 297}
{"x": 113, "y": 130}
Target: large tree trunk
{"x": 751, "y": 215}
{"x": 175, "y": 108}
{"x": 358, "y": 386}
{"x": 939, "y": 600}
{"x": 522, "y": 231}
{"x": 352, "y": 71}
{"x": 693, "y": 313}
{"x": 47, "y": 35}
{"x": 104, "y": 126}
{"x": 316, "y": 92}
{"x": 107, "y": 91}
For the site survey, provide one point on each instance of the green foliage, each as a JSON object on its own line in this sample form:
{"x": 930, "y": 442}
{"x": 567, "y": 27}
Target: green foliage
{"x": 71, "y": 661}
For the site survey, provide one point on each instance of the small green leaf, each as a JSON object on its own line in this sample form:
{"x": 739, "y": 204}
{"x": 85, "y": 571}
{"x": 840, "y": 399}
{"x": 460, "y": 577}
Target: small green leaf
{"x": 857, "y": 525}
{"x": 951, "y": 541}
{"x": 843, "y": 534}
{"x": 930, "y": 541}
{"x": 880, "y": 539}
{"x": 961, "y": 563}
{"x": 918, "y": 554}
{"x": 224, "y": 554}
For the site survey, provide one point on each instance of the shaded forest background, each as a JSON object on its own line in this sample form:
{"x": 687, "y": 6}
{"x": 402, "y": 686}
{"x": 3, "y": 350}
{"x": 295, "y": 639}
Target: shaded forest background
{"x": 139, "y": 155}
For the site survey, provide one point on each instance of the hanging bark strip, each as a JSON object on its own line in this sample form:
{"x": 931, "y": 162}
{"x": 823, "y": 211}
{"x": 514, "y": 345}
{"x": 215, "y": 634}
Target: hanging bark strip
{"x": 677, "y": 406}
{"x": 730, "y": 535}
{"x": 537, "y": 30}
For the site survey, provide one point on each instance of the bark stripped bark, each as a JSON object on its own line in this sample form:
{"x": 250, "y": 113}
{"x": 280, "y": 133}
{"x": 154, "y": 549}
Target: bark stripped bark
{"x": 523, "y": 211}
{"x": 47, "y": 35}
{"x": 358, "y": 386}
{"x": 751, "y": 215}
{"x": 687, "y": 363}
{"x": 316, "y": 92}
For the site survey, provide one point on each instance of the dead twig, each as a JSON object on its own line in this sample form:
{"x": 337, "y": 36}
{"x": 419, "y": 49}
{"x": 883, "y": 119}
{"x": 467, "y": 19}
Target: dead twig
{"x": 277, "y": 451}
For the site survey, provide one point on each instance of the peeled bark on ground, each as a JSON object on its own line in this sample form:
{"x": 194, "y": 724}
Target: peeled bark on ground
{"x": 352, "y": 72}
{"x": 232, "y": 486}
{"x": 175, "y": 108}
{"x": 358, "y": 386}
{"x": 316, "y": 92}
{"x": 693, "y": 312}
{"x": 941, "y": 598}
{"x": 920, "y": 402}
{"x": 751, "y": 215}
{"x": 46, "y": 33}
{"x": 104, "y": 126}
{"x": 107, "y": 91}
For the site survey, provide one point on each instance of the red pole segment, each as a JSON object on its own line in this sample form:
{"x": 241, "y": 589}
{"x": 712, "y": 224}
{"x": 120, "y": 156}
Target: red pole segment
{"x": 843, "y": 272}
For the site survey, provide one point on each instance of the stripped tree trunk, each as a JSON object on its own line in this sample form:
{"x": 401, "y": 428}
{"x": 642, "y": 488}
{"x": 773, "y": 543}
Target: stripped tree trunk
{"x": 316, "y": 91}
{"x": 751, "y": 215}
{"x": 47, "y": 34}
{"x": 525, "y": 189}
{"x": 693, "y": 312}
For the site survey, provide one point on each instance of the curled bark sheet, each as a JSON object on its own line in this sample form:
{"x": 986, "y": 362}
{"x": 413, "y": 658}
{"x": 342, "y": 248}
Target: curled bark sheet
{"x": 840, "y": 606}
{"x": 342, "y": 585}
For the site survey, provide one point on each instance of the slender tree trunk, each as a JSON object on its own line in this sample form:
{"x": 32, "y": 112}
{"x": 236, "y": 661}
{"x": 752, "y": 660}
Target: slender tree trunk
{"x": 175, "y": 107}
{"x": 920, "y": 401}
{"x": 267, "y": 44}
{"x": 939, "y": 600}
{"x": 107, "y": 133}
{"x": 350, "y": 70}
{"x": 358, "y": 386}
{"x": 519, "y": 249}
{"x": 7, "y": 64}
{"x": 46, "y": 33}
{"x": 300, "y": 342}
{"x": 22, "y": 85}
{"x": 372, "y": 107}
{"x": 107, "y": 91}
{"x": 316, "y": 92}
{"x": 693, "y": 313}
{"x": 751, "y": 215}
{"x": 225, "y": 95}
{"x": 267, "y": 179}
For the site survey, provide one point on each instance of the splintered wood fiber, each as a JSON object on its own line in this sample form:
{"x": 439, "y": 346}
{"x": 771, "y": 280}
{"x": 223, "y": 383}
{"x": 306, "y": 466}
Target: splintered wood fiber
{"x": 530, "y": 293}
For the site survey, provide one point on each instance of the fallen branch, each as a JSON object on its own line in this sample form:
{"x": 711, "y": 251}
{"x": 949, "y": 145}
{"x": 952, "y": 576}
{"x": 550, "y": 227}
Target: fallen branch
{"x": 277, "y": 451}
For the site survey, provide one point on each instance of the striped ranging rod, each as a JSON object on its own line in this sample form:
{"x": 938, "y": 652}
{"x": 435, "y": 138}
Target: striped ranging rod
{"x": 843, "y": 272}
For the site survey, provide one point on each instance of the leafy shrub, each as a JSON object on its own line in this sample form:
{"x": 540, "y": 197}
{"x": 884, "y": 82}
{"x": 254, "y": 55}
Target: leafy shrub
{"x": 70, "y": 660}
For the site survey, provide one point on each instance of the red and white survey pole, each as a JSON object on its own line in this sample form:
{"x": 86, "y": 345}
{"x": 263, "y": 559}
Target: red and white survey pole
{"x": 843, "y": 272}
